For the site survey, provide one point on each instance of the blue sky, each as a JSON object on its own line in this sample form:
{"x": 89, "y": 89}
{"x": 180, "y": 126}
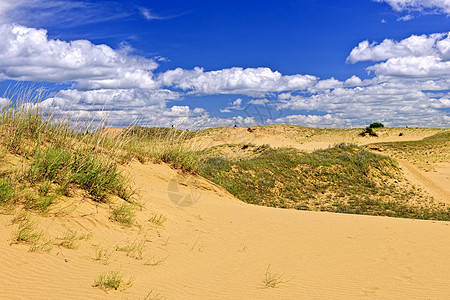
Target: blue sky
{"x": 197, "y": 64}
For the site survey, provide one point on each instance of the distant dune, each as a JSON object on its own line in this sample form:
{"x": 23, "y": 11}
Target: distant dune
{"x": 191, "y": 239}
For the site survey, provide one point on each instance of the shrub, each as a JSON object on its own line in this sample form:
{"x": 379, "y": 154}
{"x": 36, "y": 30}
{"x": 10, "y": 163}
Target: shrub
{"x": 376, "y": 125}
{"x": 368, "y": 131}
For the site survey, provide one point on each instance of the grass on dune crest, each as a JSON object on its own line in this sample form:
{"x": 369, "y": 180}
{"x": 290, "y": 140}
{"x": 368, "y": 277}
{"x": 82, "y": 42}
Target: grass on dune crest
{"x": 169, "y": 145}
{"x": 344, "y": 178}
{"x": 43, "y": 158}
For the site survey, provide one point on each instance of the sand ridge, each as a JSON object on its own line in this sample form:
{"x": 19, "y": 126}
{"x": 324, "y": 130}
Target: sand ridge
{"x": 220, "y": 248}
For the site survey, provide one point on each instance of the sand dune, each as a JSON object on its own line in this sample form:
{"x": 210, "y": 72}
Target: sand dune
{"x": 221, "y": 248}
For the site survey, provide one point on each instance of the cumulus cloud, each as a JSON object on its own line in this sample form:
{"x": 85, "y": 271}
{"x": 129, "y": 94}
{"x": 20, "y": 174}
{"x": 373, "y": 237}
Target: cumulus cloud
{"x": 437, "y": 45}
{"x": 124, "y": 107}
{"x": 437, "y": 6}
{"x": 235, "y": 105}
{"x": 250, "y": 81}
{"x": 120, "y": 107}
{"x": 425, "y": 67}
{"x": 28, "y": 54}
{"x": 424, "y": 56}
{"x": 395, "y": 103}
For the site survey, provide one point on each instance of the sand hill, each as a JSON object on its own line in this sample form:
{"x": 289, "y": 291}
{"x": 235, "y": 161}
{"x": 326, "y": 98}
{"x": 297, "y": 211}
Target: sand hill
{"x": 192, "y": 239}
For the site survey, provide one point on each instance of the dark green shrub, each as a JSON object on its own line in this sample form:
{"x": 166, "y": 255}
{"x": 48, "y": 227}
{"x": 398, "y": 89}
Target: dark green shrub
{"x": 376, "y": 125}
{"x": 368, "y": 131}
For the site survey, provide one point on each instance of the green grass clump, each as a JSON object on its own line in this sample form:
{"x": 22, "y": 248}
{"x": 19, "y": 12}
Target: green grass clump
{"x": 7, "y": 192}
{"x": 51, "y": 158}
{"x": 344, "y": 178}
{"x": 168, "y": 145}
{"x": 123, "y": 213}
{"x": 112, "y": 280}
{"x": 71, "y": 239}
{"x": 134, "y": 250}
{"x": 158, "y": 219}
{"x": 26, "y": 232}
{"x": 272, "y": 280}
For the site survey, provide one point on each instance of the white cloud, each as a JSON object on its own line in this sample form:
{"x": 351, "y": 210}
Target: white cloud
{"x": 313, "y": 121}
{"x": 405, "y": 18}
{"x": 327, "y": 84}
{"x": 438, "y": 6}
{"x": 250, "y": 81}
{"x": 410, "y": 66}
{"x": 28, "y": 54}
{"x": 396, "y": 103}
{"x": 235, "y": 105}
{"x": 437, "y": 44}
{"x": 424, "y": 56}
{"x": 353, "y": 81}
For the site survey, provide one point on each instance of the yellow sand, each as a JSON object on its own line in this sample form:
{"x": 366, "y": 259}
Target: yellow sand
{"x": 220, "y": 248}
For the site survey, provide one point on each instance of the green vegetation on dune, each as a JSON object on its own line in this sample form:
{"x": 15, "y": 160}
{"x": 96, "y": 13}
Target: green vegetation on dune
{"x": 423, "y": 153}
{"x": 43, "y": 159}
{"x": 344, "y": 179}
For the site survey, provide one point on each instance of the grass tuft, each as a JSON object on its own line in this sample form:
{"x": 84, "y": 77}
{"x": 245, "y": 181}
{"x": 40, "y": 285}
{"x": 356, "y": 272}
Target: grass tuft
{"x": 71, "y": 239}
{"x": 112, "y": 280}
{"x": 157, "y": 219}
{"x": 272, "y": 280}
{"x": 124, "y": 214}
{"x": 26, "y": 232}
{"x": 134, "y": 250}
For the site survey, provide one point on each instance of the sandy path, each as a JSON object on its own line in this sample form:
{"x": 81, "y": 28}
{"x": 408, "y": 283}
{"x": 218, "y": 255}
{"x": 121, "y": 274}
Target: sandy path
{"x": 436, "y": 183}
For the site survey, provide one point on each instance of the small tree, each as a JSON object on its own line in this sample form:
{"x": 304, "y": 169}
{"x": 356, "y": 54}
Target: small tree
{"x": 376, "y": 125}
{"x": 368, "y": 131}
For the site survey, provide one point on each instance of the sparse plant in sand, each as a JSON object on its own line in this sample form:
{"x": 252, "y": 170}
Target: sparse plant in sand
{"x": 103, "y": 255}
{"x": 42, "y": 247}
{"x": 123, "y": 213}
{"x": 26, "y": 232}
{"x": 272, "y": 280}
{"x": 157, "y": 296}
{"x": 158, "y": 219}
{"x": 112, "y": 280}
{"x": 134, "y": 250}
{"x": 71, "y": 239}
{"x": 154, "y": 261}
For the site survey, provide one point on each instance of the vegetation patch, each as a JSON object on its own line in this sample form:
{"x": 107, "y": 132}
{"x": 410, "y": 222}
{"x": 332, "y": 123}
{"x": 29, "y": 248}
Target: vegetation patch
{"x": 424, "y": 153}
{"x": 344, "y": 178}
{"x": 123, "y": 213}
{"x": 112, "y": 280}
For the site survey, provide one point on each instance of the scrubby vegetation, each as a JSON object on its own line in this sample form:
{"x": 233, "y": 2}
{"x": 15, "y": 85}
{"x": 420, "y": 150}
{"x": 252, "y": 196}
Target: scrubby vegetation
{"x": 376, "y": 125}
{"x": 344, "y": 178}
{"x": 168, "y": 145}
{"x": 423, "y": 153}
{"x": 43, "y": 159}
{"x": 368, "y": 131}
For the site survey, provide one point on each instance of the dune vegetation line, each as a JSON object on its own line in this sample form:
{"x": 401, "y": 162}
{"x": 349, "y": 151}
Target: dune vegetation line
{"x": 44, "y": 159}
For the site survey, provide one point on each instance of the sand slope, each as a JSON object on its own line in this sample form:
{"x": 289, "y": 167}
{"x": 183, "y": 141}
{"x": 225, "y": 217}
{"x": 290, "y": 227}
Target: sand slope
{"x": 220, "y": 248}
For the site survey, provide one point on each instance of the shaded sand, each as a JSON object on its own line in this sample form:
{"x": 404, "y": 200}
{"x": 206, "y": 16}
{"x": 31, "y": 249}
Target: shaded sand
{"x": 220, "y": 248}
